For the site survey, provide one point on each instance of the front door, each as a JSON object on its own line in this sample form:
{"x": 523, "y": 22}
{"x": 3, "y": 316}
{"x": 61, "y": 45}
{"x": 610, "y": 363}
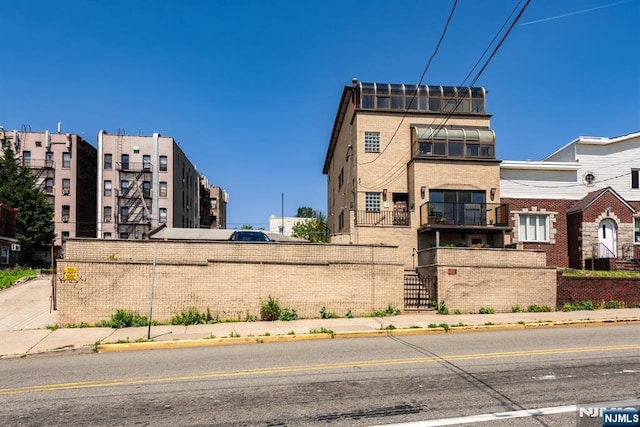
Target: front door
{"x": 607, "y": 239}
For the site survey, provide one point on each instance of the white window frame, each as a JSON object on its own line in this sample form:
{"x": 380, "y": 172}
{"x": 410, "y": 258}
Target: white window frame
{"x": 4, "y": 255}
{"x": 372, "y": 142}
{"x": 533, "y": 227}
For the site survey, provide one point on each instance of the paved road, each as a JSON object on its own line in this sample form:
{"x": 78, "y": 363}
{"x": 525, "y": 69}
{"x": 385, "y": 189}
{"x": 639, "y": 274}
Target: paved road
{"x": 27, "y": 305}
{"x": 359, "y": 382}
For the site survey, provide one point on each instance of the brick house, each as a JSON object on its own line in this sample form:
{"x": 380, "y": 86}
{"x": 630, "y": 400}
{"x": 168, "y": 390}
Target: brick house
{"x": 580, "y": 204}
{"x": 415, "y": 167}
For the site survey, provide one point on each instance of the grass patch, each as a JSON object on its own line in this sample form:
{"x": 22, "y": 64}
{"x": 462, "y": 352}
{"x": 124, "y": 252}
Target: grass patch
{"x": 486, "y": 310}
{"x": 415, "y": 327}
{"x": 459, "y": 325}
{"x": 389, "y": 327}
{"x": 325, "y": 314}
{"x": 535, "y": 308}
{"x": 10, "y": 276}
{"x": 489, "y": 324}
{"x": 123, "y": 319}
{"x": 322, "y": 330}
{"x": 570, "y": 272}
{"x": 389, "y": 311}
{"x": 191, "y": 316}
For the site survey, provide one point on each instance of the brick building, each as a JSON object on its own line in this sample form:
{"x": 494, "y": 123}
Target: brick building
{"x": 414, "y": 166}
{"x": 65, "y": 168}
{"x": 8, "y": 243}
{"x": 580, "y": 204}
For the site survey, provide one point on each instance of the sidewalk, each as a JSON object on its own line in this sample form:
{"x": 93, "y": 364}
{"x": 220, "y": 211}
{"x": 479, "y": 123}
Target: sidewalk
{"x": 18, "y": 343}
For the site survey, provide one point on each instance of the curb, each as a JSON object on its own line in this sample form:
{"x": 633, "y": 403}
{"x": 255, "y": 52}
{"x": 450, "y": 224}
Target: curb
{"x": 209, "y": 342}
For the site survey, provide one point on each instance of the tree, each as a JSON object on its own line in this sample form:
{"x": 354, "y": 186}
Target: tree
{"x": 307, "y": 212}
{"x": 314, "y": 229}
{"x": 34, "y": 219}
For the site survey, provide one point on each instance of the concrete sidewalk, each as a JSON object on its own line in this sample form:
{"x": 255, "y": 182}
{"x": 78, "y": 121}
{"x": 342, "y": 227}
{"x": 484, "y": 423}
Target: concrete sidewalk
{"x": 17, "y": 343}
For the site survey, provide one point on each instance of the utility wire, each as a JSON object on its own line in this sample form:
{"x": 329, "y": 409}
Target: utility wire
{"x": 480, "y": 72}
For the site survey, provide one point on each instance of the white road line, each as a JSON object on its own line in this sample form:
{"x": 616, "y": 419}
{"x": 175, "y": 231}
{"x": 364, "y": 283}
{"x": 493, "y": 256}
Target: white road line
{"x": 487, "y": 417}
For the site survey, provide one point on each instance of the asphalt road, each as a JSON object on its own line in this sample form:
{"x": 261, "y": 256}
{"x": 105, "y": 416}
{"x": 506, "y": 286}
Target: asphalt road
{"x": 356, "y": 382}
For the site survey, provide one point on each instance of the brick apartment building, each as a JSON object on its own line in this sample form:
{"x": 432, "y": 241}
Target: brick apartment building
{"x": 213, "y": 205}
{"x": 144, "y": 181}
{"x": 579, "y": 204}
{"x": 414, "y": 166}
{"x": 8, "y": 243}
{"x": 65, "y": 168}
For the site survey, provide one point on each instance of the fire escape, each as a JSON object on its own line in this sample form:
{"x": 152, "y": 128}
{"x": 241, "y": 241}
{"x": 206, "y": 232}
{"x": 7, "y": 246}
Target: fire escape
{"x": 133, "y": 219}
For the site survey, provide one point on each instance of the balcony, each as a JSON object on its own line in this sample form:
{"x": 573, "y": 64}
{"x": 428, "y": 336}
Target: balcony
{"x": 39, "y": 163}
{"x": 464, "y": 214}
{"x": 383, "y": 218}
{"x": 134, "y": 166}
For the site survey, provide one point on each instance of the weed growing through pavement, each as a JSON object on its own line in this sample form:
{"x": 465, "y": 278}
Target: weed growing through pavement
{"x": 486, "y": 310}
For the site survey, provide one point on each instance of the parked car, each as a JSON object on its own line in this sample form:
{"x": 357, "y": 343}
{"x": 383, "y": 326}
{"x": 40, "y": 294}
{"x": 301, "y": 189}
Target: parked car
{"x": 250, "y": 236}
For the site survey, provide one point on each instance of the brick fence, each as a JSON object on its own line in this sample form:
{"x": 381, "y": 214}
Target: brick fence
{"x": 597, "y": 290}
{"x": 231, "y": 279}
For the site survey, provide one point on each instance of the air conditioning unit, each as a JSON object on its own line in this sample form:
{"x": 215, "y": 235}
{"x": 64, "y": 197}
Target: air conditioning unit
{"x": 65, "y": 191}
{"x": 15, "y": 247}
{"x": 107, "y": 219}
{"x": 65, "y": 219}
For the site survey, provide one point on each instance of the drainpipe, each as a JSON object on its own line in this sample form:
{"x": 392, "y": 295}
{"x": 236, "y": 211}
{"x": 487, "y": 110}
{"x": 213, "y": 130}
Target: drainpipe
{"x": 100, "y": 190}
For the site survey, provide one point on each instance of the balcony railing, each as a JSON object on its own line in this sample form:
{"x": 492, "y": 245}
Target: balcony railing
{"x": 134, "y": 166}
{"x": 38, "y": 163}
{"x": 464, "y": 214}
{"x": 383, "y": 218}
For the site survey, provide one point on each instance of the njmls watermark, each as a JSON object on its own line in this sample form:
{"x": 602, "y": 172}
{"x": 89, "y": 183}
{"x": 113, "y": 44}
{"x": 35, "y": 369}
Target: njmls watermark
{"x": 621, "y": 413}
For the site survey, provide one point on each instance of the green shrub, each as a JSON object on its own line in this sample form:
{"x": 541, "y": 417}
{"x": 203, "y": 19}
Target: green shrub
{"x": 350, "y": 315}
{"x": 324, "y": 314}
{"x": 442, "y": 308}
{"x": 432, "y": 325}
{"x": 191, "y": 316}
{"x": 288, "y": 314}
{"x": 535, "y": 308}
{"x": 614, "y": 304}
{"x": 516, "y": 309}
{"x": 585, "y": 305}
{"x": 124, "y": 319}
{"x": 444, "y": 326}
{"x": 486, "y": 310}
{"x": 270, "y": 309}
{"x": 389, "y": 311}
{"x": 456, "y": 311}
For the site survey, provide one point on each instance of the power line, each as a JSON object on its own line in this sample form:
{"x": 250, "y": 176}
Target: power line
{"x": 480, "y": 72}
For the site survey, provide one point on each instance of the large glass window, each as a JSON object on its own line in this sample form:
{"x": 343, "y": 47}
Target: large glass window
{"x": 372, "y": 142}
{"x": 533, "y": 228}
{"x": 372, "y": 202}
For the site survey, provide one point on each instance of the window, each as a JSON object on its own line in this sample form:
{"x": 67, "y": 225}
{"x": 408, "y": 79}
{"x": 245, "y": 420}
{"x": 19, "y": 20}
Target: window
{"x": 108, "y": 161}
{"x": 4, "y": 255}
{"x": 146, "y": 162}
{"x": 124, "y": 213}
{"x": 635, "y": 178}
{"x": 66, "y": 212}
{"x": 214, "y": 203}
{"x": 107, "y": 188}
{"x": 66, "y": 160}
{"x": 48, "y": 185}
{"x": 66, "y": 186}
{"x": 107, "y": 214}
{"x": 372, "y": 202}
{"x": 65, "y": 235}
{"x": 341, "y": 221}
{"x": 125, "y": 161}
{"x": 124, "y": 186}
{"x": 107, "y": 235}
{"x": 533, "y": 228}
{"x": 163, "y": 189}
{"x": 146, "y": 188}
{"x": 636, "y": 230}
{"x": 163, "y": 214}
{"x": 124, "y": 235}
{"x": 589, "y": 178}
{"x": 341, "y": 178}
{"x": 163, "y": 163}
{"x": 26, "y": 158}
{"x": 49, "y": 160}
{"x": 372, "y": 142}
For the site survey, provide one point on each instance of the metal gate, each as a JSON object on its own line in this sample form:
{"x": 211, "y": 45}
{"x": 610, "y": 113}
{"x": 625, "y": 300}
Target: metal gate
{"x": 419, "y": 293}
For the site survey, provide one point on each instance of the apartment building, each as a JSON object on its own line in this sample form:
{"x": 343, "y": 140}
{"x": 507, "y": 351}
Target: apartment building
{"x": 65, "y": 168}
{"x": 580, "y": 203}
{"x": 213, "y": 205}
{"x": 414, "y": 166}
{"x": 8, "y": 243}
{"x": 142, "y": 182}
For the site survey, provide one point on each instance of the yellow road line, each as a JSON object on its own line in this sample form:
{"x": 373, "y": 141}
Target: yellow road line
{"x": 318, "y": 367}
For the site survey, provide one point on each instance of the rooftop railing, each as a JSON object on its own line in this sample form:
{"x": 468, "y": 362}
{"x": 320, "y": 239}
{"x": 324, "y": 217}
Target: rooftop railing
{"x": 464, "y": 214}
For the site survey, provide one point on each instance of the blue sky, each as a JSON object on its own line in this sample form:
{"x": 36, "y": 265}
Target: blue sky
{"x": 250, "y": 89}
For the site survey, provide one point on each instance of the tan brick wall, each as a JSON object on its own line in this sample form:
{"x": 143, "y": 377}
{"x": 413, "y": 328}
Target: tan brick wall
{"x": 229, "y": 279}
{"x": 470, "y": 278}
